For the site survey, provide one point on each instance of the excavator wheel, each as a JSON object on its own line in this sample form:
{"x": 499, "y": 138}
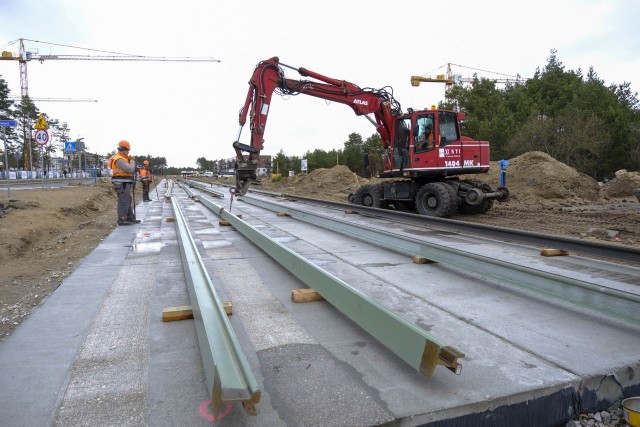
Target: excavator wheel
{"x": 369, "y": 195}
{"x": 453, "y": 193}
{"x": 434, "y": 199}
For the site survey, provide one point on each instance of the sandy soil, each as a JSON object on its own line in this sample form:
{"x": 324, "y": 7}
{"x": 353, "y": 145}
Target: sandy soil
{"x": 45, "y": 233}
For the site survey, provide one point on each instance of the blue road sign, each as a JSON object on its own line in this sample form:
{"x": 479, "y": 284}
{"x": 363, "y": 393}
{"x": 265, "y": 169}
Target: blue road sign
{"x": 10, "y": 123}
{"x": 70, "y": 147}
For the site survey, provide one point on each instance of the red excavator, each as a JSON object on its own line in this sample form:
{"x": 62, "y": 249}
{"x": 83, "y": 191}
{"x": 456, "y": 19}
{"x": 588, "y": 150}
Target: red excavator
{"x": 424, "y": 151}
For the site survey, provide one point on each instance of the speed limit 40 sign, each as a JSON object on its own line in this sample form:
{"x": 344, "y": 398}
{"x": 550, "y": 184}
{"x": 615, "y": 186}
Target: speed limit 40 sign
{"x": 42, "y": 137}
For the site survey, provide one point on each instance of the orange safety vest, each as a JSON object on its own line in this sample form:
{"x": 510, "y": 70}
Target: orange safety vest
{"x": 145, "y": 175}
{"x": 119, "y": 173}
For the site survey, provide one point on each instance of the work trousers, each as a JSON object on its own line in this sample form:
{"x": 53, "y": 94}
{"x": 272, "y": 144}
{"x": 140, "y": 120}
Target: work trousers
{"x": 145, "y": 190}
{"x": 123, "y": 191}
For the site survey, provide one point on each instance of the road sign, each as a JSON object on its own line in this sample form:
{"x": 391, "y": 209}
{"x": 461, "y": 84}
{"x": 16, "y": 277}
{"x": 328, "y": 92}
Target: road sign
{"x": 70, "y": 147}
{"x": 42, "y": 137}
{"x": 41, "y": 123}
{"x": 9, "y": 123}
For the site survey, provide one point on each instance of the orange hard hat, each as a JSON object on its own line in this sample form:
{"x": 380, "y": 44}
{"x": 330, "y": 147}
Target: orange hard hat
{"x": 146, "y": 162}
{"x": 124, "y": 144}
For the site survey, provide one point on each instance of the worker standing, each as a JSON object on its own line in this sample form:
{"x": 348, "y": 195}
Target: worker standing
{"x": 123, "y": 179}
{"x": 146, "y": 178}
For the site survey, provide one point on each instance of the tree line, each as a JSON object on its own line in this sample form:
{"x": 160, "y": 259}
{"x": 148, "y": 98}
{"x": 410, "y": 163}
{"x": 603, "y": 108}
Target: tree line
{"x": 573, "y": 117}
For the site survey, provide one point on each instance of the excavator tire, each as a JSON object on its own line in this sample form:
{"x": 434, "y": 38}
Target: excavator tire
{"x": 434, "y": 199}
{"x": 453, "y": 193}
{"x": 369, "y": 195}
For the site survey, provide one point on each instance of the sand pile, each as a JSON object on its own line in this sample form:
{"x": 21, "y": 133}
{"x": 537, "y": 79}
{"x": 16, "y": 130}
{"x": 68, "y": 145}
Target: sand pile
{"x": 623, "y": 185}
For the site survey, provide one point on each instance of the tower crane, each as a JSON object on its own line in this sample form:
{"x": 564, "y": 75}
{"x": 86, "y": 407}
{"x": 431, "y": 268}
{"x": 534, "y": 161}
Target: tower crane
{"x": 24, "y": 56}
{"x": 450, "y": 79}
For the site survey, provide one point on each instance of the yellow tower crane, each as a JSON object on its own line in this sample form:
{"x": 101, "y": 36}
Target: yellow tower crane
{"x": 24, "y": 56}
{"x": 450, "y": 79}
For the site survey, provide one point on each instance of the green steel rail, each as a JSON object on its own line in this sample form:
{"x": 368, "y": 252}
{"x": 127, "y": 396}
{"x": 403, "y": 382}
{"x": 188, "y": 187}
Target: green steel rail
{"x": 411, "y": 343}
{"x": 613, "y": 303}
{"x": 229, "y": 376}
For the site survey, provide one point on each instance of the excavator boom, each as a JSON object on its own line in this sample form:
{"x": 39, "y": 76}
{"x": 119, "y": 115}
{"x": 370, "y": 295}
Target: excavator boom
{"x": 268, "y": 77}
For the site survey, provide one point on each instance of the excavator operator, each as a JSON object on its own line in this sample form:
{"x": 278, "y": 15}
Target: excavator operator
{"x": 426, "y": 139}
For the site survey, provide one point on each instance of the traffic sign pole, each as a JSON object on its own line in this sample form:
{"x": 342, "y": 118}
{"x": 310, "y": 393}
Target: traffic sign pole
{"x": 4, "y": 124}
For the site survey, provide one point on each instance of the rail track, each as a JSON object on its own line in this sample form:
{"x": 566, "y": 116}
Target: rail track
{"x": 598, "y": 283}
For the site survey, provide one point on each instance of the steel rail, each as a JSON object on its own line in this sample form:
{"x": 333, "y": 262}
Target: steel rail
{"x": 229, "y": 376}
{"x": 610, "y": 302}
{"x": 414, "y": 345}
{"x": 597, "y": 249}
{"x": 203, "y": 187}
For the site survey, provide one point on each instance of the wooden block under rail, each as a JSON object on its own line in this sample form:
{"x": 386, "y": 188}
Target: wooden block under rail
{"x": 554, "y": 252}
{"x": 422, "y": 260}
{"x": 224, "y": 223}
{"x": 282, "y": 214}
{"x": 305, "y": 295}
{"x": 171, "y": 314}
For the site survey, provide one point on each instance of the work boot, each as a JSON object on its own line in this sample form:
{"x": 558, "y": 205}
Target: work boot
{"x": 134, "y": 221}
{"x": 125, "y": 223}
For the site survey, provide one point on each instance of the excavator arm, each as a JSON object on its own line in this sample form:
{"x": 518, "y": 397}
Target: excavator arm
{"x": 268, "y": 77}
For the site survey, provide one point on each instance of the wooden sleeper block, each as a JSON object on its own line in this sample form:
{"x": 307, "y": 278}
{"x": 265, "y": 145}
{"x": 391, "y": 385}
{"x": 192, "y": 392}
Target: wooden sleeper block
{"x": 422, "y": 260}
{"x": 171, "y": 314}
{"x": 553, "y": 252}
{"x": 305, "y": 295}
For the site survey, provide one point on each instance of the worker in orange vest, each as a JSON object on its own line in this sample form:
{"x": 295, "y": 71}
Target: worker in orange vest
{"x": 146, "y": 178}
{"x": 123, "y": 170}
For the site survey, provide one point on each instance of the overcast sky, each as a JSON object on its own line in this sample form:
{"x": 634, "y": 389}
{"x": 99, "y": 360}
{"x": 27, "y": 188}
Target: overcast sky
{"x": 183, "y": 111}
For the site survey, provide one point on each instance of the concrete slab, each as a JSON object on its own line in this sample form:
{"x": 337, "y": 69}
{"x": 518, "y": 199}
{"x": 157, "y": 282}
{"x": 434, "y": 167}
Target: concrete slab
{"x": 97, "y": 352}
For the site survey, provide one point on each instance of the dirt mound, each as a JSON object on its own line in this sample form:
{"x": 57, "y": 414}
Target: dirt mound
{"x": 535, "y": 176}
{"x": 623, "y": 185}
{"x": 338, "y": 178}
{"x": 334, "y": 184}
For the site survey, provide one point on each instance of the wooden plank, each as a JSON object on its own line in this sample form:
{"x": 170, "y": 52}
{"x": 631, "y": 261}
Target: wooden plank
{"x": 305, "y": 295}
{"x": 228, "y": 308}
{"x": 282, "y": 214}
{"x": 422, "y": 260}
{"x": 171, "y": 314}
{"x": 553, "y": 252}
